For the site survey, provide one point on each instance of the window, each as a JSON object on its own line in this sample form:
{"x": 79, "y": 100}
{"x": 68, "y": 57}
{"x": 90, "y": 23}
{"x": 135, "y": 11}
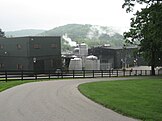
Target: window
{"x": 53, "y": 46}
{"x": 52, "y": 63}
{"x": 36, "y": 46}
{"x": 19, "y": 46}
{"x": 1, "y": 46}
{"x": 19, "y": 66}
{"x": 1, "y": 65}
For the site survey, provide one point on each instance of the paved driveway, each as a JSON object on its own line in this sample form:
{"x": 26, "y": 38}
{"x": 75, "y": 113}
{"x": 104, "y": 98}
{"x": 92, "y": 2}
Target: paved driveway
{"x": 53, "y": 101}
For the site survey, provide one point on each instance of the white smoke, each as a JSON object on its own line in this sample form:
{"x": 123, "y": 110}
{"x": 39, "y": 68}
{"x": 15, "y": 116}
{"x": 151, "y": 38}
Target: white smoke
{"x": 96, "y": 31}
{"x": 69, "y": 40}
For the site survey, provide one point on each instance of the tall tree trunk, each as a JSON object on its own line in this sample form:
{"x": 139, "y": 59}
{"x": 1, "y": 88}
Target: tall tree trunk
{"x": 152, "y": 70}
{"x": 153, "y": 62}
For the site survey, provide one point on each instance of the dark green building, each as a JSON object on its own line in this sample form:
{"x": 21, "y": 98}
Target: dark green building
{"x": 30, "y": 53}
{"x": 117, "y": 57}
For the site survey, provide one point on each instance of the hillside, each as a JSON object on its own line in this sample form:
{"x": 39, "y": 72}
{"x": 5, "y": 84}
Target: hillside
{"x": 93, "y": 35}
{"x": 25, "y": 32}
{"x": 73, "y": 34}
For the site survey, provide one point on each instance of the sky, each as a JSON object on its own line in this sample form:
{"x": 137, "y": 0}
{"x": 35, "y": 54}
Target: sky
{"x": 47, "y": 14}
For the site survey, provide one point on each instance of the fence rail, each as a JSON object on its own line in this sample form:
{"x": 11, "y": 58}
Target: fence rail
{"x": 53, "y": 74}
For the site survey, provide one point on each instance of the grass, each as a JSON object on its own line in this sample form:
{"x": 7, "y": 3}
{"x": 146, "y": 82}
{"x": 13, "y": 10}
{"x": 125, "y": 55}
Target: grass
{"x": 11, "y": 83}
{"x": 6, "y": 85}
{"x": 141, "y": 99}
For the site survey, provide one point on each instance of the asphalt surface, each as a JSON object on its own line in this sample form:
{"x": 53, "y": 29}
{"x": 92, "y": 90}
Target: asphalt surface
{"x": 53, "y": 101}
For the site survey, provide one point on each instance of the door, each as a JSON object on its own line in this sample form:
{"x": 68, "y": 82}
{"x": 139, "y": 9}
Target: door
{"x": 39, "y": 66}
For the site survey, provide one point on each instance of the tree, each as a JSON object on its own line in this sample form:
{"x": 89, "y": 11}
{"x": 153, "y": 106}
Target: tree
{"x": 146, "y": 30}
{"x": 129, "y": 4}
{"x": 2, "y": 34}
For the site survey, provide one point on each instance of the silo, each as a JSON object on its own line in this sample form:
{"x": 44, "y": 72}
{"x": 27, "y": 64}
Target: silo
{"x": 92, "y": 63}
{"x": 83, "y": 50}
{"x": 75, "y": 64}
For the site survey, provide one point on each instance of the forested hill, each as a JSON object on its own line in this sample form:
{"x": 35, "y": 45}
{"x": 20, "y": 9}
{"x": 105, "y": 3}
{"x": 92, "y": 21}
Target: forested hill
{"x": 73, "y": 34}
{"x": 93, "y": 35}
{"x": 24, "y": 32}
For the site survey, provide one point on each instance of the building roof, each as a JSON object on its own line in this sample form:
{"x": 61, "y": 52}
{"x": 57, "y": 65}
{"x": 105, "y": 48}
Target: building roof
{"x": 32, "y": 37}
{"x": 91, "y": 57}
{"x": 115, "y": 48}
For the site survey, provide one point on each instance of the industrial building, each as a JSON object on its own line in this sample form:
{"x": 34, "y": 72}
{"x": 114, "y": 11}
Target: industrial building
{"x": 30, "y": 53}
{"x": 116, "y": 57}
{"x": 103, "y": 58}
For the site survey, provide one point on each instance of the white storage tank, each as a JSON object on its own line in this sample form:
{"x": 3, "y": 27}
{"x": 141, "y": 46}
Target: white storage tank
{"x": 76, "y": 51}
{"x": 83, "y": 49}
{"x": 92, "y": 63}
{"x": 75, "y": 64}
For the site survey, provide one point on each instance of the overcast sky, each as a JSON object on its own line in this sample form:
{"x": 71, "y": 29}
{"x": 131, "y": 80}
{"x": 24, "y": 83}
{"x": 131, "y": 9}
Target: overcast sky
{"x": 47, "y": 14}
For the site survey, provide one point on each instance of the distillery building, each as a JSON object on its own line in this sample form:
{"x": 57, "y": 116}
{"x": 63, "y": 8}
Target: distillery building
{"x": 30, "y": 53}
{"x": 116, "y": 57}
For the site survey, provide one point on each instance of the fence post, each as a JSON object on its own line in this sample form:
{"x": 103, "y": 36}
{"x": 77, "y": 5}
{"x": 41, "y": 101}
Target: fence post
{"x": 109, "y": 73}
{"x": 117, "y": 73}
{"x": 62, "y": 74}
{"x": 73, "y": 73}
{"x": 93, "y": 73}
{"x": 83, "y": 73}
{"x": 136, "y": 72}
{"x": 130, "y": 71}
{"x": 35, "y": 75}
{"x": 123, "y": 72}
{"x": 22, "y": 75}
{"x": 141, "y": 72}
{"x": 101, "y": 73}
{"x": 6, "y": 75}
{"x": 49, "y": 75}
{"x": 58, "y": 74}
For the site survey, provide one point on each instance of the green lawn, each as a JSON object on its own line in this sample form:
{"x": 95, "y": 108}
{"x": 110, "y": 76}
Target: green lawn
{"x": 141, "y": 99}
{"x": 5, "y": 85}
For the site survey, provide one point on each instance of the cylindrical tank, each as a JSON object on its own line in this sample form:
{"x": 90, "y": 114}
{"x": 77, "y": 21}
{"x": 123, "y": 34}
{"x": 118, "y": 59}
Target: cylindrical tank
{"x": 92, "y": 63}
{"x": 83, "y": 49}
{"x": 75, "y": 64}
{"x": 76, "y": 51}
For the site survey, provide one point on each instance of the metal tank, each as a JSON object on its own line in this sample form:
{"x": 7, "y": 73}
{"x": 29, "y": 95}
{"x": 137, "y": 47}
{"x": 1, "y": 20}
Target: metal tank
{"x": 83, "y": 50}
{"x": 92, "y": 63}
{"x": 75, "y": 64}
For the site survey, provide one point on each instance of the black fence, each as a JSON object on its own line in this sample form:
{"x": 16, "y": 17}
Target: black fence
{"x": 55, "y": 74}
